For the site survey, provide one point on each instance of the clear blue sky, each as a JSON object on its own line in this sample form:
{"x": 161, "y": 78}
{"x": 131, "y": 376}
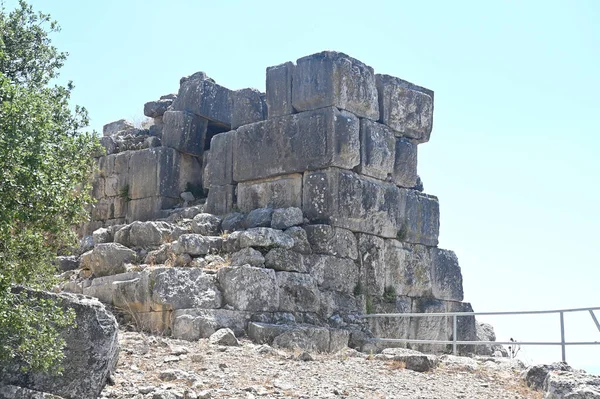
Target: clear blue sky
{"x": 513, "y": 155}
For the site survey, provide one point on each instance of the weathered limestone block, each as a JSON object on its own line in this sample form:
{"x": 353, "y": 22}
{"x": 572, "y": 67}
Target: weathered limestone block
{"x": 285, "y": 260}
{"x": 295, "y": 143}
{"x": 333, "y": 303}
{"x": 66, "y": 263}
{"x": 129, "y": 289}
{"x": 219, "y": 165}
{"x": 408, "y": 268}
{"x": 248, "y": 107}
{"x": 303, "y": 337}
{"x": 328, "y": 240}
{"x": 225, "y": 337}
{"x": 278, "y": 192}
{"x": 248, "y": 256}
{"x": 405, "y": 164}
{"x": 414, "y": 360}
{"x": 200, "y": 95}
{"x": 249, "y": 288}
{"x": 301, "y": 244}
{"x": 152, "y": 322}
{"x": 351, "y": 201}
{"x": 330, "y": 78}
{"x": 420, "y": 223}
{"x": 405, "y": 107}
{"x": 571, "y": 384}
{"x": 110, "y": 208}
{"x": 156, "y": 109}
{"x": 101, "y": 236}
{"x": 284, "y": 218}
{"x": 193, "y": 324}
{"x": 161, "y": 171}
{"x": 260, "y": 217}
{"x": 91, "y": 353}
{"x": 184, "y": 132}
{"x": 298, "y": 292}
{"x": 221, "y": 199}
{"x": 279, "y": 90}
{"x": 390, "y": 327}
{"x": 149, "y": 234}
{"x": 184, "y": 288}
{"x": 233, "y": 222}
{"x": 149, "y": 208}
{"x": 107, "y": 259}
{"x": 196, "y": 244}
{"x": 206, "y": 224}
{"x": 114, "y": 127}
{"x": 440, "y": 328}
{"x": 333, "y": 273}
{"x": 372, "y": 264}
{"x": 446, "y": 277}
{"x": 265, "y": 237}
{"x": 377, "y": 150}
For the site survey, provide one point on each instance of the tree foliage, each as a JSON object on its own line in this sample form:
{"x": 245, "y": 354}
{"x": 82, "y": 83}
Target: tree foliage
{"x": 45, "y": 165}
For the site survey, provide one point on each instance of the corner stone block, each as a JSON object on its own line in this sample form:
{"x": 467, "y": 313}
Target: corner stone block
{"x": 221, "y": 199}
{"x": 405, "y": 107}
{"x": 219, "y": 163}
{"x": 248, "y": 107}
{"x": 446, "y": 275}
{"x": 330, "y": 78}
{"x": 279, "y": 90}
{"x": 377, "y": 150}
{"x": 249, "y": 288}
{"x": 201, "y": 96}
{"x": 296, "y": 143}
{"x": 345, "y": 199}
{"x": 405, "y": 164}
{"x": 420, "y": 221}
{"x": 408, "y": 268}
{"x": 278, "y": 192}
{"x": 184, "y": 132}
{"x": 372, "y": 264}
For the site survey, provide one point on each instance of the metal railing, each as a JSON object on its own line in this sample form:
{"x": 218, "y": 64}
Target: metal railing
{"x": 455, "y": 315}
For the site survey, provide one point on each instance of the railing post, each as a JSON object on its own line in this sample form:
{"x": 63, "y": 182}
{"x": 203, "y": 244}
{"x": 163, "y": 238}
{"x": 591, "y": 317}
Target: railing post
{"x": 562, "y": 336}
{"x": 454, "y": 330}
{"x": 595, "y": 319}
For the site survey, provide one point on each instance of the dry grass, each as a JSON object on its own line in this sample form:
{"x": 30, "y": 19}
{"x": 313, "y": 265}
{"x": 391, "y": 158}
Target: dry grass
{"x": 396, "y": 365}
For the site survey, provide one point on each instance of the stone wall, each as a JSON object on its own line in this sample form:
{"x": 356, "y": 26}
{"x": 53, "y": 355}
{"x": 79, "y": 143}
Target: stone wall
{"x": 314, "y": 211}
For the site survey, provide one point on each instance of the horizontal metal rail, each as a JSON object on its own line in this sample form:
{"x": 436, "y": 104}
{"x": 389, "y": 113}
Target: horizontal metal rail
{"x": 455, "y": 342}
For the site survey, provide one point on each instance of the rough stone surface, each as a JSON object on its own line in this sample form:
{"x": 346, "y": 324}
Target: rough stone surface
{"x": 408, "y": 269}
{"x": 193, "y": 324}
{"x": 196, "y": 244}
{"x": 221, "y": 199}
{"x": 285, "y": 260}
{"x": 414, "y": 360}
{"x": 224, "y": 336}
{"x": 249, "y": 288}
{"x": 114, "y": 127}
{"x": 296, "y": 143}
{"x": 101, "y": 236}
{"x": 233, "y": 221}
{"x": 184, "y": 132}
{"x": 446, "y": 277}
{"x": 279, "y": 90}
{"x": 248, "y": 256}
{"x": 536, "y": 375}
{"x": 330, "y": 78}
{"x": 156, "y": 109}
{"x": 333, "y": 273}
{"x": 107, "y": 259}
{"x": 298, "y": 292}
{"x": 248, "y": 107}
{"x": 265, "y": 237}
{"x": 66, "y": 263}
{"x": 284, "y": 218}
{"x": 328, "y": 240}
{"x": 377, "y": 150}
{"x": 300, "y": 238}
{"x": 184, "y": 288}
{"x": 149, "y": 234}
{"x": 405, "y": 164}
{"x": 260, "y": 217}
{"x": 219, "y": 163}
{"x": 405, "y": 107}
{"x": 278, "y": 192}
{"x": 91, "y": 352}
{"x": 571, "y": 385}
{"x": 420, "y": 224}
{"x": 372, "y": 264}
{"x": 206, "y": 224}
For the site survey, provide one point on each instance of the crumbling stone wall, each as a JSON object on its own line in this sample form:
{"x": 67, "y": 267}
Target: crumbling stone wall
{"x": 313, "y": 203}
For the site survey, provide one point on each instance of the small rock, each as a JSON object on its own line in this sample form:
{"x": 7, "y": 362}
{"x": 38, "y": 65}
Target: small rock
{"x": 305, "y": 357}
{"x": 171, "y": 359}
{"x": 224, "y": 336}
{"x": 206, "y": 224}
{"x": 146, "y": 389}
{"x": 179, "y": 350}
{"x": 259, "y": 218}
{"x": 204, "y": 394}
{"x": 187, "y": 196}
{"x": 248, "y": 256}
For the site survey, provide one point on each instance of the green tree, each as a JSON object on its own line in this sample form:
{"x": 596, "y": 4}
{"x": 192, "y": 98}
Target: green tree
{"x": 45, "y": 165}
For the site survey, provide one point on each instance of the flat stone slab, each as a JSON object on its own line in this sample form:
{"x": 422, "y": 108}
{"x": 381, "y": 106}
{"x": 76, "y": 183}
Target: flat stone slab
{"x": 277, "y": 192}
{"x": 296, "y": 143}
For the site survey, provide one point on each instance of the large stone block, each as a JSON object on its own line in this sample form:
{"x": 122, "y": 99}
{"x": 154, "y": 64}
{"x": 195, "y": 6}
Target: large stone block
{"x": 117, "y": 126}
{"x": 161, "y": 171}
{"x": 248, "y": 107}
{"x": 372, "y": 264}
{"x": 377, "y": 150}
{"x": 249, "y": 288}
{"x": 277, "y": 192}
{"x": 107, "y": 259}
{"x": 329, "y": 240}
{"x": 200, "y": 95}
{"x": 405, "y": 163}
{"x": 156, "y": 109}
{"x": 408, "y": 268}
{"x": 219, "y": 163}
{"x": 420, "y": 222}
{"x": 221, "y": 199}
{"x": 335, "y": 79}
{"x": 279, "y": 90}
{"x": 128, "y": 291}
{"x": 336, "y": 303}
{"x": 405, "y": 107}
{"x": 184, "y": 132}
{"x": 184, "y": 288}
{"x": 358, "y": 203}
{"x": 296, "y": 143}
{"x": 193, "y": 324}
{"x": 446, "y": 277}
{"x": 333, "y": 273}
{"x": 390, "y": 327}
{"x": 148, "y": 208}
{"x": 298, "y": 292}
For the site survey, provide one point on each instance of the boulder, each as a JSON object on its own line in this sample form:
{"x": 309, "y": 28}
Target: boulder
{"x": 233, "y": 221}
{"x": 67, "y": 263}
{"x": 266, "y": 238}
{"x": 301, "y": 244}
{"x": 156, "y": 109}
{"x": 329, "y": 240}
{"x": 91, "y": 352}
{"x": 248, "y": 256}
{"x": 149, "y": 234}
{"x": 206, "y": 224}
{"x": 107, "y": 259}
{"x": 101, "y": 236}
{"x": 296, "y": 143}
{"x": 113, "y": 128}
{"x": 259, "y": 218}
{"x": 249, "y": 288}
{"x": 279, "y": 90}
{"x": 535, "y": 376}
{"x": 285, "y": 260}
{"x": 330, "y": 78}
{"x": 284, "y": 218}
{"x": 193, "y": 324}
{"x": 414, "y": 360}
{"x": 224, "y": 336}
{"x": 184, "y": 288}
{"x": 571, "y": 385}
{"x": 196, "y": 244}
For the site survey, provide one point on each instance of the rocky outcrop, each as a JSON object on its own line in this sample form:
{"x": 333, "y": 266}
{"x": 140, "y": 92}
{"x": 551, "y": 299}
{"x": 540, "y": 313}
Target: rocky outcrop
{"x": 91, "y": 353}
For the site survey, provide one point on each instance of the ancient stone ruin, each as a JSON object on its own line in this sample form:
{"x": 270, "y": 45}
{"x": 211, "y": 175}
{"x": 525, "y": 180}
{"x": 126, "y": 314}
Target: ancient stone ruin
{"x": 283, "y": 215}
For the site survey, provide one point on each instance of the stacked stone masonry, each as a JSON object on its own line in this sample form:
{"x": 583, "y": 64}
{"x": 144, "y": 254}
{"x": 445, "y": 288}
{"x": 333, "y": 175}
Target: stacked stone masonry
{"x": 313, "y": 212}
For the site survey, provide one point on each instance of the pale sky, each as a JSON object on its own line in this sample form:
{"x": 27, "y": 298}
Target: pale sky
{"x": 513, "y": 156}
